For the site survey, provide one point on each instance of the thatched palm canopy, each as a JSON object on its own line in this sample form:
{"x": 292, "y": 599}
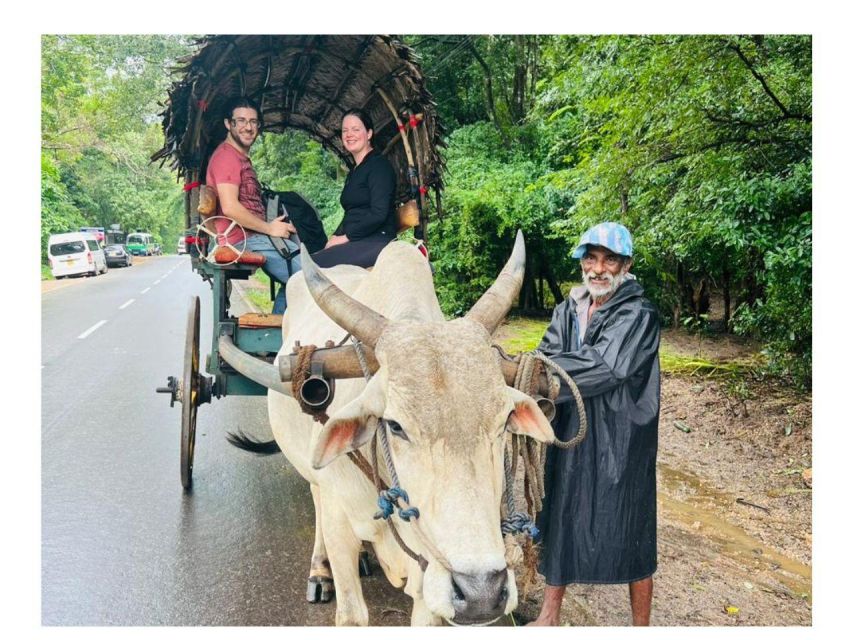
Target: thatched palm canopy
{"x": 304, "y": 82}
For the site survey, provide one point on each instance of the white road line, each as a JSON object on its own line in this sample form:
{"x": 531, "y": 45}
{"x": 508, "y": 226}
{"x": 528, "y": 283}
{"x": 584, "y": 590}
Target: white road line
{"x": 156, "y": 283}
{"x": 128, "y": 303}
{"x": 91, "y": 330}
{"x": 144, "y": 291}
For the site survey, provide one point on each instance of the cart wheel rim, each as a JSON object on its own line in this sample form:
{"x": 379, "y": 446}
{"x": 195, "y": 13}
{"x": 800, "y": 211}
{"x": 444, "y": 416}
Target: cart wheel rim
{"x": 190, "y": 387}
{"x": 210, "y": 254}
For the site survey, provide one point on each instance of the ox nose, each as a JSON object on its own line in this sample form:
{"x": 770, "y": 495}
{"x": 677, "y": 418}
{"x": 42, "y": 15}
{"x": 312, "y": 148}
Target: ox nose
{"x": 479, "y": 597}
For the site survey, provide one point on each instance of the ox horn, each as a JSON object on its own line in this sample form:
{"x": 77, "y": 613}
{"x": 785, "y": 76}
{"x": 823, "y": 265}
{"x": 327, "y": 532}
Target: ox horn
{"x": 493, "y": 305}
{"x": 359, "y": 320}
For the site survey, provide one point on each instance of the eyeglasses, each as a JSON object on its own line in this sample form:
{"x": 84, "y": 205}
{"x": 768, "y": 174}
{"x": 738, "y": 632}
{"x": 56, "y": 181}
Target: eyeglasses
{"x": 242, "y": 122}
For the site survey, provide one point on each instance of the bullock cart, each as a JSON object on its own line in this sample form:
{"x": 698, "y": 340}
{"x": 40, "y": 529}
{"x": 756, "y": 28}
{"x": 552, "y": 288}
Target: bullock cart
{"x": 385, "y": 322}
{"x": 304, "y": 83}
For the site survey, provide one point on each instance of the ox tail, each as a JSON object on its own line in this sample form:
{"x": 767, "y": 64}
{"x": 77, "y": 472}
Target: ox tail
{"x": 247, "y": 443}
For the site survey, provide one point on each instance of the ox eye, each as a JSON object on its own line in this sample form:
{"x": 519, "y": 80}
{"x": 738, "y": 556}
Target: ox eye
{"x": 395, "y": 429}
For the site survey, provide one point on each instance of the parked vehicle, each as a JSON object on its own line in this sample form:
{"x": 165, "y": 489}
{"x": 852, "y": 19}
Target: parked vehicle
{"x": 182, "y": 245}
{"x": 114, "y": 235}
{"x": 156, "y": 249}
{"x": 118, "y": 256}
{"x": 140, "y": 244}
{"x": 75, "y": 253}
{"x": 98, "y": 232}
{"x": 106, "y": 237}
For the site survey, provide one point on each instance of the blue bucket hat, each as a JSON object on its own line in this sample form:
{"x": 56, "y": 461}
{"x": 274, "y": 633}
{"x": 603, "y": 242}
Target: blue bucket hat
{"x": 611, "y": 235}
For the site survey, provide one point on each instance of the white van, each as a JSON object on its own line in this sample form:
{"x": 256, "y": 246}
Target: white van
{"x": 75, "y": 254}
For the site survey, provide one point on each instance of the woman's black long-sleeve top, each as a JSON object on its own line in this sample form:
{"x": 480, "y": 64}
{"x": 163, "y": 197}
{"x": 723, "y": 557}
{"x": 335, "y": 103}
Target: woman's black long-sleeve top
{"x": 368, "y": 200}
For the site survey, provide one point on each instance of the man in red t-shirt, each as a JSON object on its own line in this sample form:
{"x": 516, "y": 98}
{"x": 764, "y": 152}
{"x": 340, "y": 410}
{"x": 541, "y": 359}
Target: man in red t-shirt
{"x": 231, "y": 174}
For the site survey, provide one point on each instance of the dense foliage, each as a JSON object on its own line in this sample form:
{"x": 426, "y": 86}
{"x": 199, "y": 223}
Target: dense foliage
{"x": 699, "y": 144}
{"x": 99, "y": 127}
{"x": 293, "y": 162}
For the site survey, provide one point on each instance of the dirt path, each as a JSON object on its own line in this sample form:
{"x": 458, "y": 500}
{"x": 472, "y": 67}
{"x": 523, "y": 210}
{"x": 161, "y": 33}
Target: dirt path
{"x": 734, "y": 507}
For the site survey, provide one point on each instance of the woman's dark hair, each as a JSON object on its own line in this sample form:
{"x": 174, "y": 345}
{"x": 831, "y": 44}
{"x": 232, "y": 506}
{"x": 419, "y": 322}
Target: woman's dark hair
{"x": 361, "y": 114}
{"x": 240, "y": 102}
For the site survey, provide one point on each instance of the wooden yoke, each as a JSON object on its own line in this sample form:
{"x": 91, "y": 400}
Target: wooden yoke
{"x": 342, "y": 362}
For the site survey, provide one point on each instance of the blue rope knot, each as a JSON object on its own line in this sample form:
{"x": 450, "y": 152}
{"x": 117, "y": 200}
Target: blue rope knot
{"x": 520, "y": 523}
{"x": 408, "y": 514}
{"x": 388, "y": 500}
{"x": 386, "y": 507}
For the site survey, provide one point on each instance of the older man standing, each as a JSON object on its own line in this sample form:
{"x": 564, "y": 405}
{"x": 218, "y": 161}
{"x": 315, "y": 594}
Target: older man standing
{"x": 599, "y": 515}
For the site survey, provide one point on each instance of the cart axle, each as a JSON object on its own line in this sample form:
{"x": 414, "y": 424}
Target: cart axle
{"x": 173, "y": 387}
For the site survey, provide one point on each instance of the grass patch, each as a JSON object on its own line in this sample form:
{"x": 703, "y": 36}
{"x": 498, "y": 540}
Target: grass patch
{"x": 45, "y": 273}
{"x": 257, "y": 296}
{"x": 261, "y": 277}
{"x": 691, "y": 365}
{"x": 522, "y": 334}
{"x": 261, "y": 299}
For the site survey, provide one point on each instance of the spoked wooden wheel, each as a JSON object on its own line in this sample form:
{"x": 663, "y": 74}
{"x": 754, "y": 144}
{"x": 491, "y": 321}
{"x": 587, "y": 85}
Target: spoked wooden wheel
{"x": 190, "y": 390}
{"x": 210, "y": 254}
{"x": 190, "y": 400}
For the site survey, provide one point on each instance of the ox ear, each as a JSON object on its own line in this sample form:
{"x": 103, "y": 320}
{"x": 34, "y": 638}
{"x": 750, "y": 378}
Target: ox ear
{"x": 350, "y": 427}
{"x": 527, "y": 418}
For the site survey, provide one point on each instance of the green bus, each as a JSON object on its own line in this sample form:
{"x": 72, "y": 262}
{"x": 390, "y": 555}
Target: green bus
{"x": 140, "y": 244}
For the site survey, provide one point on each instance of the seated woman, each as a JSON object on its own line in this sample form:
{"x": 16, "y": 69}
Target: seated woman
{"x": 369, "y": 222}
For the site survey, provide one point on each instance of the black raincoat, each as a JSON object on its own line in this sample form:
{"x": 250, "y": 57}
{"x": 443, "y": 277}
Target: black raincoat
{"x": 599, "y": 514}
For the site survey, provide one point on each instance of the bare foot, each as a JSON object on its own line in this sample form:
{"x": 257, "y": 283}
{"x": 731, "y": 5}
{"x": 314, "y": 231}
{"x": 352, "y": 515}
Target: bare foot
{"x": 549, "y": 614}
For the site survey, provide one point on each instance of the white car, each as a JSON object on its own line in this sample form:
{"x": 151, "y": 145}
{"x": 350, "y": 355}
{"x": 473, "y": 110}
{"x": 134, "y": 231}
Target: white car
{"x": 77, "y": 253}
{"x": 182, "y": 245}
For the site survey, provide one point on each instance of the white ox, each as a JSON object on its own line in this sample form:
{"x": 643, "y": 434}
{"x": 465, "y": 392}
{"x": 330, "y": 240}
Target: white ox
{"x": 442, "y": 388}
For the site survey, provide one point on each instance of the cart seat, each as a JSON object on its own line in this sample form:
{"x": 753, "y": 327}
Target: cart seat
{"x": 260, "y": 320}
{"x": 226, "y": 255}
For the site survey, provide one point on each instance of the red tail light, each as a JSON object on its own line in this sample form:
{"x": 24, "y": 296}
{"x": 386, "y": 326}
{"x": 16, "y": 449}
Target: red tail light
{"x": 89, "y": 257}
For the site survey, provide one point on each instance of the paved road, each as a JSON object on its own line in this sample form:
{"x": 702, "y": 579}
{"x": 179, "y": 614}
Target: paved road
{"x": 122, "y": 544}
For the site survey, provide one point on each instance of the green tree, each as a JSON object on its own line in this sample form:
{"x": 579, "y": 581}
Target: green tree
{"x": 701, "y": 145}
{"x": 100, "y": 99}
{"x": 493, "y": 190}
{"x": 58, "y": 212}
{"x": 476, "y": 78}
{"x": 291, "y": 161}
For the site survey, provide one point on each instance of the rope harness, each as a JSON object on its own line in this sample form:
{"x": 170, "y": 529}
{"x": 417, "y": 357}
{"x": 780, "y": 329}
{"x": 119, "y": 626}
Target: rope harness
{"x": 301, "y": 372}
{"x": 396, "y": 496}
{"x": 527, "y": 456}
{"x": 519, "y": 448}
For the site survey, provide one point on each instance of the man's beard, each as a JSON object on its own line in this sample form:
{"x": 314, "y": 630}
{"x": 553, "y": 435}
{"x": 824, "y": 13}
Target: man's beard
{"x": 600, "y": 293}
{"x": 240, "y": 143}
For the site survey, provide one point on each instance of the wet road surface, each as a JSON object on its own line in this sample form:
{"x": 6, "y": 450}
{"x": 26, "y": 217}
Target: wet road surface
{"x": 122, "y": 543}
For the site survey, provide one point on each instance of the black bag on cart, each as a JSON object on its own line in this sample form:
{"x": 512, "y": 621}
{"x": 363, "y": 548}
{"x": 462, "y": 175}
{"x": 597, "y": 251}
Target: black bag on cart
{"x": 301, "y": 213}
